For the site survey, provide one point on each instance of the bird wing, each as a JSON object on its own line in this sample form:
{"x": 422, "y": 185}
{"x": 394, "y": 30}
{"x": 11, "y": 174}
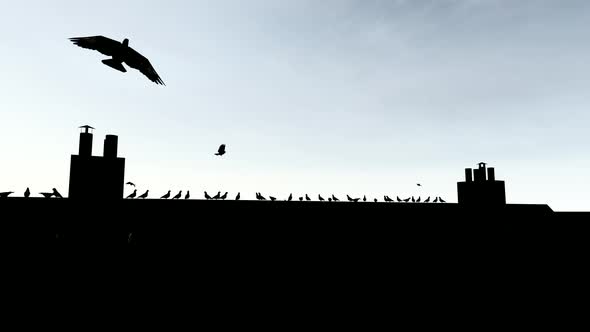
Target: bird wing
{"x": 141, "y": 63}
{"x": 102, "y": 44}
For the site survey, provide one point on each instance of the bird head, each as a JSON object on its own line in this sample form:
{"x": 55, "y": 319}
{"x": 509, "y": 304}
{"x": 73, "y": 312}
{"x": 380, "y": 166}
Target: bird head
{"x": 125, "y": 42}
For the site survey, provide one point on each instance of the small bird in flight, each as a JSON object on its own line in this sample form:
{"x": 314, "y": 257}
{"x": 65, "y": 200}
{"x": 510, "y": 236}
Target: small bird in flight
{"x": 419, "y": 185}
{"x": 131, "y": 184}
{"x": 120, "y": 52}
{"x": 221, "y": 150}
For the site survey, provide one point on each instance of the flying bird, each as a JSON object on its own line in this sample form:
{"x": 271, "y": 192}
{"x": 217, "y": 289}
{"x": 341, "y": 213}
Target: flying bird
{"x": 131, "y": 184}
{"x": 178, "y": 195}
{"x": 133, "y": 194}
{"x": 419, "y": 185}
{"x": 144, "y": 195}
{"x": 120, "y": 52}
{"x": 221, "y": 150}
{"x": 166, "y": 196}
{"x": 56, "y": 193}
{"x": 6, "y": 194}
{"x": 27, "y": 193}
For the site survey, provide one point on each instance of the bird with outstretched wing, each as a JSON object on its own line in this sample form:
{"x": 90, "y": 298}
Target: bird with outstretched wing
{"x": 119, "y": 52}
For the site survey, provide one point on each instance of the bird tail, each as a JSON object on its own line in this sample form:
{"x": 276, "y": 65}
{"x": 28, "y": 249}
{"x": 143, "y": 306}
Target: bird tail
{"x": 115, "y": 64}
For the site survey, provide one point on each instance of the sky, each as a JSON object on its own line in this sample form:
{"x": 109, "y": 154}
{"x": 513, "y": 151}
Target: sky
{"x": 359, "y": 97}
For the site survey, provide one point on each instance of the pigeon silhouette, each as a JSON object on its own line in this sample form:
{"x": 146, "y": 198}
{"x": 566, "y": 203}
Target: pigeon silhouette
{"x": 301, "y": 199}
{"x": 427, "y": 200}
{"x": 334, "y": 198}
{"x": 178, "y": 195}
{"x": 238, "y": 197}
{"x": 272, "y": 198}
{"x": 413, "y": 200}
{"x": 133, "y": 194}
{"x": 221, "y": 150}
{"x": 56, "y": 193}
{"x": 144, "y": 195}
{"x": 27, "y": 193}
{"x": 364, "y": 198}
{"x": 224, "y": 196}
{"x": 375, "y": 200}
{"x": 120, "y": 52}
{"x": 47, "y": 195}
{"x": 407, "y": 200}
{"x": 398, "y": 199}
{"x": 418, "y": 200}
{"x": 419, "y": 185}
{"x": 321, "y": 198}
{"x": 6, "y": 194}
{"x": 166, "y": 196}
{"x": 290, "y": 197}
{"x": 188, "y": 195}
{"x": 435, "y": 200}
{"x": 218, "y": 195}
{"x": 260, "y": 197}
{"x": 207, "y": 196}
{"x": 329, "y": 199}
{"x": 307, "y": 198}
{"x": 441, "y": 200}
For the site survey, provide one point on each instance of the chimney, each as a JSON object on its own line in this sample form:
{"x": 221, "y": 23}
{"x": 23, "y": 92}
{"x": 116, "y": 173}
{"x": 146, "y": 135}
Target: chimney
{"x": 85, "y": 148}
{"x": 468, "y": 175}
{"x": 491, "y": 174}
{"x": 110, "y": 146}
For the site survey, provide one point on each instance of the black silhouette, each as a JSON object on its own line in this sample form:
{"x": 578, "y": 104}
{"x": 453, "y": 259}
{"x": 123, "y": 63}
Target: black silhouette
{"x": 334, "y": 198}
{"x": 56, "y": 193}
{"x": 207, "y": 196}
{"x": 321, "y": 198}
{"x": 178, "y": 195}
{"x": 224, "y": 196}
{"x": 441, "y": 200}
{"x": 427, "y": 200}
{"x": 301, "y": 199}
{"x": 418, "y": 200}
{"x": 133, "y": 194}
{"x": 329, "y": 199}
{"x": 188, "y": 195}
{"x": 131, "y": 184}
{"x": 352, "y": 199}
{"x": 47, "y": 195}
{"x": 307, "y": 198}
{"x": 419, "y": 185}
{"x": 144, "y": 195}
{"x": 387, "y": 199}
{"x": 375, "y": 200}
{"x": 398, "y": 199}
{"x": 364, "y": 198}
{"x": 238, "y": 197}
{"x": 290, "y": 197}
{"x": 166, "y": 196}
{"x": 260, "y": 197}
{"x": 27, "y": 193}
{"x": 477, "y": 189}
{"x": 413, "y": 200}
{"x": 218, "y": 195}
{"x": 221, "y": 150}
{"x": 272, "y": 198}
{"x": 435, "y": 200}
{"x": 120, "y": 52}
{"x": 6, "y": 194}
{"x": 407, "y": 200}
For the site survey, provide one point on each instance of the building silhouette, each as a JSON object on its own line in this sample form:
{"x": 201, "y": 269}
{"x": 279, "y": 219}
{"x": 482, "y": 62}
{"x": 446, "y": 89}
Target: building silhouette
{"x": 94, "y": 177}
{"x": 479, "y": 190}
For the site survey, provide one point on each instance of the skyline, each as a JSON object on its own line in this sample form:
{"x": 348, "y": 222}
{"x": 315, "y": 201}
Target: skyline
{"x": 359, "y": 97}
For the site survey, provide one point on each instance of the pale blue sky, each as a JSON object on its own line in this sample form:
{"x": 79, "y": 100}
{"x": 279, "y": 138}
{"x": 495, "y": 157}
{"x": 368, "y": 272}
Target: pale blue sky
{"x": 310, "y": 96}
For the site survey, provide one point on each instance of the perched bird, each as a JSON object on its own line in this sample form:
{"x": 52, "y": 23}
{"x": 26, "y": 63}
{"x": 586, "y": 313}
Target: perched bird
{"x": 188, "y": 195}
{"x": 413, "y": 200}
{"x": 418, "y": 200}
{"x": 6, "y": 194}
{"x": 375, "y": 200}
{"x": 131, "y": 184}
{"x": 27, "y": 193}
{"x": 221, "y": 150}
{"x": 46, "y": 195}
{"x": 178, "y": 195}
{"x": 301, "y": 199}
{"x": 56, "y": 193}
{"x": 334, "y": 198}
{"x": 398, "y": 199}
{"x": 435, "y": 200}
{"x": 329, "y": 199}
{"x": 166, "y": 196}
{"x": 364, "y": 198}
{"x": 224, "y": 196}
{"x": 238, "y": 197}
{"x": 321, "y": 198}
{"x": 207, "y": 196}
{"x": 307, "y": 198}
{"x": 260, "y": 197}
{"x": 441, "y": 200}
{"x": 427, "y": 200}
{"x": 290, "y": 197}
{"x": 272, "y": 198}
{"x": 386, "y": 198}
{"x": 120, "y": 52}
{"x": 349, "y": 199}
{"x": 144, "y": 195}
{"x": 407, "y": 200}
{"x": 352, "y": 199}
{"x": 133, "y": 194}
{"x": 218, "y": 195}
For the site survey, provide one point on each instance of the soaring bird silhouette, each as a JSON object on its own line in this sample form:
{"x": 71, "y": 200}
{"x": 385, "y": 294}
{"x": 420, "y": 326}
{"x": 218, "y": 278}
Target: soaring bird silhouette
{"x": 27, "y": 193}
{"x": 178, "y": 195}
{"x": 221, "y": 150}
{"x": 144, "y": 195}
{"x": 120, "y": 52}
{"x": 290, "y": 197}
{"x": 166, "y": 196}
{"x": 207, "y": 196}
{"x": 334, "y": 198}
{"x": 133, "y": 194}
{"x": 56, "y": 193}
{"x": 218, "y": 195}
{"x": 6, "y": 194}
{"x": 47, "y": 195}
{"x": 238, "y": 197}
{"x": 131, "y": 184}
{"x": 321, "y": 198}
{"x": 188, "y": 195}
